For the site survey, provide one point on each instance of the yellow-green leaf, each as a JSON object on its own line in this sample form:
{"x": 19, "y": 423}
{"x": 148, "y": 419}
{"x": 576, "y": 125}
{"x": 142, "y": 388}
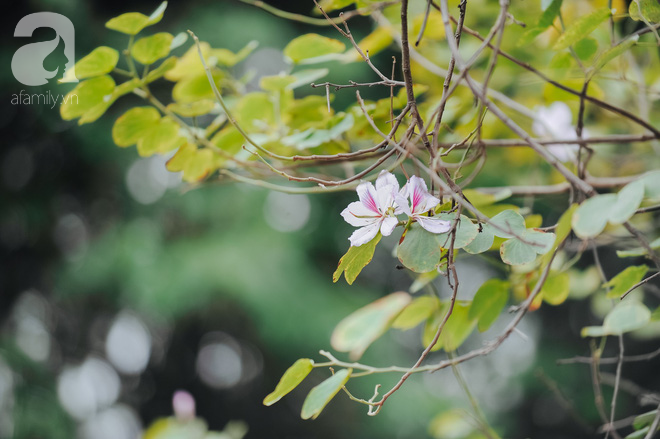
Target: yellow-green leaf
{"x": 418, "y": 311}
{"x": 556, "y": 288}
{"x": 193, "y": 109}
{"x": 293, "y": 376}
{"x": 99, "y": 62}
{"x": 355, "y": 259}
{"x": 488, "y": 302}
{"x": 160, "y": 138}
{"x": 623, "y": 281}
{"x": 650, "y": 10}
{"x": 312, "y": 46}
{"x": 322, "y": 394}
{"x": 133, "y": 125}
{"x": 132, "y": 23}
{"x": 87, "y": 95}
{"x": 150, "y": 49}
{"x": 356, "y": 332}
{"x": 581, "y": 28}
{"x": 195, "y": 88}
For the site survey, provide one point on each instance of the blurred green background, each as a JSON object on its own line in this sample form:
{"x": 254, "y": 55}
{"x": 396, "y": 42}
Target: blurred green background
{"x": 119, "y": 285}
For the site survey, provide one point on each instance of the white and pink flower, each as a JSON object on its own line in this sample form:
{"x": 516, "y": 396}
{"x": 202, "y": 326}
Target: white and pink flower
{"x": 376, "y": 211}
{"x": 421, "y": 202}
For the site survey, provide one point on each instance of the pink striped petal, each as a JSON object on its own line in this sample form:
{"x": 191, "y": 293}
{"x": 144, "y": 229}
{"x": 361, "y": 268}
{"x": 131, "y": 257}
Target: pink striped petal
{"x": 367, "y": 195}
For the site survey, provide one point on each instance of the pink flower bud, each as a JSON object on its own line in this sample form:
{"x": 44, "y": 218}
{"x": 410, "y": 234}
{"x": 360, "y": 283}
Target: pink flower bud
{"x": 184, "y": 405}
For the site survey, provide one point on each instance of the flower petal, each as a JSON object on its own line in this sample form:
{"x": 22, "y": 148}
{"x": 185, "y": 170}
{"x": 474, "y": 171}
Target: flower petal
{"x": 420, "y": 197}
{"x": 388, "y": 225}
{"x": 357, "y": 214}
{"x": 402, "y": 204}
{"x": 367, "y": 194}
{"x": 386, "y": 178}
{"x": 434, "y": 224}
{"x": 364, "y": 234}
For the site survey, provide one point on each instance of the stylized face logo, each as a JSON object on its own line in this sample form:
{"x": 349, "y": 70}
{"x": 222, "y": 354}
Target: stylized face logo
{"x": 27, "y": 65}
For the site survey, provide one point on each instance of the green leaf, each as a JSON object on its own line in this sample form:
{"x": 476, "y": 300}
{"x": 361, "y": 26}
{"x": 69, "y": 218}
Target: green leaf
{"x": 192, "y": 109}
{"x": 356, "y": 332}
{"x": 545, "y": 21}
{"x": 581, "y": 28}
{"x": 640, "y": 251}
{"x": 293, "y": 376}
{"x": 655, "y": 316}
{"x": 255, "y": 110}
{"x": 162, "y": 69}
{"x": 466, "y": 231}
{"x": 645, "y": 419}
{"x": 160, "y": 138}
{"x": 518, "y": 252}
{"x": 508, "y": 224}
{"x": 623, "y": 281}
{"x": 613, "y": 52}
{"x": 458, "y": 327}
{"x": 312, "y": 46}
{"x": 196, "y": 88}
{"x": 488, "y": 302}
{"x": 591, "y": 217}
{"x": 313, "y": 137}
{"x": 420, "y": 249}
{"x": 132, "y": 23}
{"x": 652, "y": 185}
{"x": 556, "y": 288}
{"x": 355, "y": 259}
{"x": 87, "y": 95}
{"x": 418, "y": 311}
{"x": 133, "y": 125}
{"x": 321, "y": 395}
{"x": 431, "y": 327}
{"x": 195, "y": 163}
{"x": 228, "y": 58}
{"x": 626, "y": 316}
{"x": 99, "y": 62}
{"x": 482, "y": 242}
{"x": 423, "y": 280}
{"x": 150, "y": 49}
{"x": 586, "y": 48}
{"x": 276, "y": 82}
{"x": 650, "y": 10}
{"x": 627, "y": 201}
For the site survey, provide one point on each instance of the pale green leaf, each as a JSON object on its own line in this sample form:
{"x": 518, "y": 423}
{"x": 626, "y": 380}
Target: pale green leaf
{"x": 132, "y": 23}
{"x": 482, "y": 242}
{"x": 508, "y": 224}
{"x": 591, "y": 217}
{"x": 626, "y": 316}
{"x": 356, "y": 332}
{"x": 628, "y": 200}
{"x": 322, "y": 394}
{"x": 612, "y": 53}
